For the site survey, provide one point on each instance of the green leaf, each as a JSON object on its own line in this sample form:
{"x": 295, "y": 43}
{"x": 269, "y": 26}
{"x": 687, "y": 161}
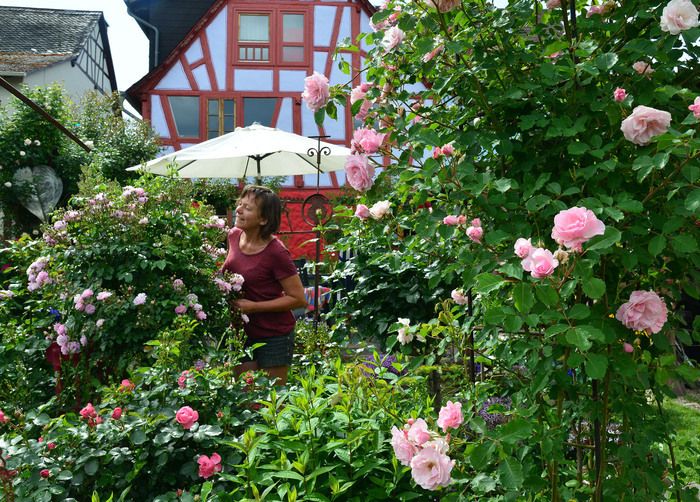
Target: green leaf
{"x": 523, "y": 297}
{"x": 692, "y": 201}
{"x": 578, "y": 339}
{"x": 593, "y": 287}
{"x": 138, "y": 436}
{"x": 515, "y": 430}
{"x": 319, "y": 116}
{"x": 91, "y": 467}
{"x": 579, "y": 311}
{"x": 577, "y": 148}
{"x": 631, "y": 206}
{"x": 684, "y": 244}
{"x": 547, "y": 295}
{"x": 596, "y": 365}
{"x": 606, "y": 61}
{"x": 206, "y": 490}
{"x": 485, "y": 283}
{"x": 64, "y": 476}
{"x": 656, "y": 245}
{"x": 609, "y": 238}
{"x": 511, "y": 473}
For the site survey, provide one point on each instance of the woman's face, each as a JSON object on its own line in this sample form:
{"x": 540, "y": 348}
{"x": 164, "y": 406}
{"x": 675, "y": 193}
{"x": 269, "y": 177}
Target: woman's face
{"x": 248, "y": 214}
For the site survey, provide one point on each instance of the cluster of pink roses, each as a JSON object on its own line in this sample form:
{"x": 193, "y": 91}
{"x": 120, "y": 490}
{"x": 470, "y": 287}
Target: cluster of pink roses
{"x": 359, "y": 93}
{"x": 425, "y": 451}
{"x": 446, "y": 150}
{"x": 376, "y": 212}
{"x": 366, "y": 140}
{"x": 37, "y": 274}
{"x": 572, "y": 228}
{"x": 137, "y": 194}
{"x": 474, "y": 231}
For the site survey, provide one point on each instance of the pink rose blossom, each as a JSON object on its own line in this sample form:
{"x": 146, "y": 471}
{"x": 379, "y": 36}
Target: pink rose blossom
{"x": 359, "y": 92}
{"x": 459, "y": 297}
{"x": 643, "y": 68}
{"x": 88, "y": 411}
{"x": 429, "y": 56}
{"x": 418, "y": 432}
{"x": 99, "y": 323}
{"x": 644, "y": 124}
{"x": 553, "y": 4}
{"x": 140, "y": 299}
{"x": 362, "y": 212}
{"x": 366, "y": 140}
{"x": 595, "y": 9}
{"x": 431, "y": 469}
{"x": 574, "y": 226}
{"x": 392, "y": 37}
{"x": 364, "y": 109}
{"x": 451, "y": 220}
{"x": 448, "y": 150}
{"x": 446, "y": 5}
{"x": 522, "y": 247}
{"x": 403, "y": 449}
{"x": 379, "y": 209}
{"x": 450, "y": 416}
{"x": 180, "y": 309}
{"x": 50, "y": 445}
{"x": 44, "y": 473}
{"x": 358, "y": 172}
{"x": 440, "y": 445}
{"x": 695, "y": 108}
{"x": 679, "y": 15}
{"x": 103, "y": 295}
{"x": 627, "y": 347}
{"x": 645, "y": 310}
{"x": 404, "y": 335}
{"x": 316, "y": 91}
{"x": 437, "y": 152}
{"x": 89, "y": 309}
{"x": 3, "y": 418}
{"x": 182, "y": 379}
{"x": 126, "y": 386}
{"x": 201, "y": 315}
{"x": 475, "y": 233}
{"x": 117, "y": 413}
{"x": 178, "y": 284}
{"x": 619, "y": 94}
{"x": 540, "y": 263}
{"x": 186, "y": 417}
{"x": 208, "y": 466}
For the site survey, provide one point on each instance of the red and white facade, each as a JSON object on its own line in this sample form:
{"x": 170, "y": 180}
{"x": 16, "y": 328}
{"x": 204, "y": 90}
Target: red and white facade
{"x": 246, "y": 61}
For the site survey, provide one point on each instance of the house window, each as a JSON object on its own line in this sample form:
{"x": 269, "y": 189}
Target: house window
{"x": 260, "y": 110}
{"x": 221, "y": 117}
{"x": 293, "y": 38}
{"x": 186, "y": 115}
{"x": 254, "y": 37}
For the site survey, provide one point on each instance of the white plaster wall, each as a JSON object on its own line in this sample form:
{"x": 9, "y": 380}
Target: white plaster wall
{"x": 175, "y": 79}
{"x": 73, "y": 80}
{"x": 324, "y": 17}
{"x": 158, "y": 118}
{"x": 216, "y": 33}
{"x": 194, "y": 53}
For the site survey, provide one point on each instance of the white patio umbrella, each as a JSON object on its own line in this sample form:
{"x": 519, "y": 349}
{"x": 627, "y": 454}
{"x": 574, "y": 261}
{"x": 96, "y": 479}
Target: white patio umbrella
{"x": 255, "y": 150}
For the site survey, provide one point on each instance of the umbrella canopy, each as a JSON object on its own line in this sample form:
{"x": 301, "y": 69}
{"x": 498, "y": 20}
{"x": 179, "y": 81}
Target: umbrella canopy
{"x": 255, "y": 150}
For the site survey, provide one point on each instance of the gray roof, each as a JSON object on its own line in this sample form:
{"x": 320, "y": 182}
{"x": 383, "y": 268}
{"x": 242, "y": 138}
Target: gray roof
{"x": 34, "y": 38}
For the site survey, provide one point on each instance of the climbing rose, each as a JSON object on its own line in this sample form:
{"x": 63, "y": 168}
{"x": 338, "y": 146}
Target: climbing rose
{"x": 429, "y": 56}
{"x": 679, "y": 15}
{"x": 208, "y": 466}
{"x": 540, "y": 263}
{"x": 695, "y": 108}
{"x": 366, "y": 140}
{"x": 403, "y": 449}
{"x": 358, "y": 172}
{"x": 450, "y": 416}
{"x": 576, "y": 225}
{"x": 362, "y": 212}
{"x": 404, "y": 336}
{"x": 451, "y": 220}
{"x": 643, "y": 68}
{"x": 431, "y": 469}
{"x": 117, "y": 413}
{"x": 644, "y": 311}
{"x": 88, "y": 411}
{"x": 186, "y": 417}
{"x": 140, "y": 299}
{"x": 448, "y": 150}
{"x": 522, "y": 247}
{"x": 475, "y": 232}
{"x": 418, "y": 432}
{"x": 316, "y": 91}
{"x": 359, "y": 92}
{"x": 627, "y": 347}
{"x": 619, "y": 94}
{"x": 392, "y": 37}
{"x": 644, "y": 124}
{"x": 379, "y": 209}
{"x": 459, "y": 297}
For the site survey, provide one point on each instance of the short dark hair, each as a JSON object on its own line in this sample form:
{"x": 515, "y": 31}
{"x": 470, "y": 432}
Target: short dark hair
{"x": 269, "y": 205}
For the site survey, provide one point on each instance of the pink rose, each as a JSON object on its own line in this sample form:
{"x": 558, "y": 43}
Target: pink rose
{"x": 451, "y": 220}
{"x": 431, "y": 469}
{"x": 3, "y": 418}
{"x": 44, "y": 473}
{"x": 540, "y": 263}
{"x": 595, "y": 9}
{"x": 522, "y": 247}
{"x": 475, "y": 233}
{"x": 126, "y": 386}
{"x": 619, "y": 94}
{"x": 679, "y": 15}
{"x": 446, "y": 5}
{"x": 574, "y": 226}
{"x": 418, "y": 432}
{"x": 209, "y": 466}
{"x": 553, "y": 4}
{"x": 644, "y": 124}
{"x": 140, "y": 299}
{"x": 88, "y": 411}
{"x": 450, "y": 416}
{"x": 627, "y": 347}
{"x": 437, "y": 152}
{"x": 359, "y": 92}
{"x": 364, "y": 109}
{"x": 362, "y": 212}
{"x": 186, "y": 417}
{"x": 89, "y": 309}
{"x": 180, "y": 309}
{"x": 358, "y": 172}
{"x": 644, "y": 311}
{"x": 366, "y": 140}
{"x": 103, "y": 295}
{"x": 403, "y": 449}
{"x": 316, "y": 91}
{"x": 201, "y": 315}
{"x": 182, "y": 379}
{"x": 392, "y": 37}
{"x": 50, "y": 445}
{"x": 459, "y": 297}
{"x": 643, "y": 68}
{"x": 117, "y": 413}
{"x": 379, "y": 209}
{"x": 448, "y": 150}
{"x": 695, "y": 108}
{"x": 429, "y": 56}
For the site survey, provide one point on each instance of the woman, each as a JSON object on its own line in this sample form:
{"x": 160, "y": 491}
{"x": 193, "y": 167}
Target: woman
{"x": 272, "y": 288}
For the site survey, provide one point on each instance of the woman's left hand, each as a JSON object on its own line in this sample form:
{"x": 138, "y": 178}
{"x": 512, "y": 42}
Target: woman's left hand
{"x": 245, "y": 306}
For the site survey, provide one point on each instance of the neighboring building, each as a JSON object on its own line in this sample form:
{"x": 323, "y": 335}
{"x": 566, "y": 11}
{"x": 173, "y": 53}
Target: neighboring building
{"x": 220, "y": 64}
{"x": 41, "y": 46}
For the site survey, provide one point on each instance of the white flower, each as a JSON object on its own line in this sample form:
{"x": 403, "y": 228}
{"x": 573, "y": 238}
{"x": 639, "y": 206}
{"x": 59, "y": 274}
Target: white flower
{"x": 27, "y": 142}
{"x": 37, "y": 142}
{"x": 379, "y": 209}
{"x": 89, "y": 144}
{"x": 8, "y": 184}
{"x": 392, "y": 37}
{"x": 404, "y": 336}
{"x": 22, "y": 153}
{"x": 679, "y": 15}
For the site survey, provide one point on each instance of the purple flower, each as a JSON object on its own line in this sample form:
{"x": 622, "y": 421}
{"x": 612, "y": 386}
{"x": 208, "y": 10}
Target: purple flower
{"x": 387, "y": 361}
{"x": 494, "y": 417}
